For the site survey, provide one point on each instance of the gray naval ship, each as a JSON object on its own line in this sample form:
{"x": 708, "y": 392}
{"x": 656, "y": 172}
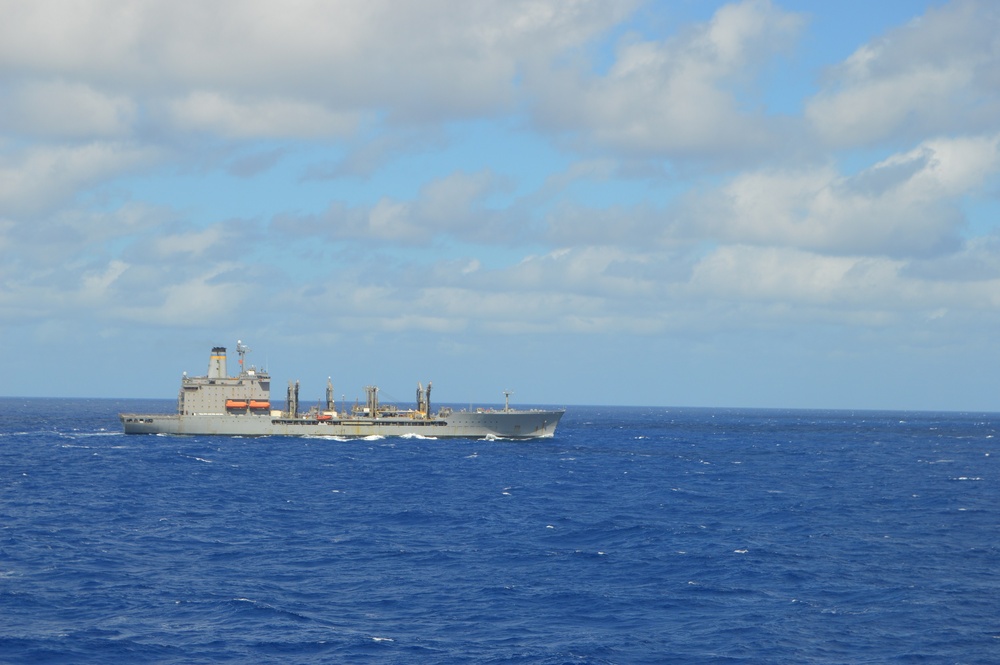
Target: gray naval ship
{"x": 241, "y": 406}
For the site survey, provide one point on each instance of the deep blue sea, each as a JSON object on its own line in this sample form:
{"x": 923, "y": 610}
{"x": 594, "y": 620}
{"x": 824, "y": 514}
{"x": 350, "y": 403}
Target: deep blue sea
{"x": 636, "y": 535}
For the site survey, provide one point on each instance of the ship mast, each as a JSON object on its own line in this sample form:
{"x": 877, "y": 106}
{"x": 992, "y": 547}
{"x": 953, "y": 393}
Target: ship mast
{"x": 506, "y": 400}
{"x": 242, "y": 349}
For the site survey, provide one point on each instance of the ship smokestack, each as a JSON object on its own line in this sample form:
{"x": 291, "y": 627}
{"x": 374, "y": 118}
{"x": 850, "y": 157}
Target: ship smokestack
{"x": 217, "y": 368}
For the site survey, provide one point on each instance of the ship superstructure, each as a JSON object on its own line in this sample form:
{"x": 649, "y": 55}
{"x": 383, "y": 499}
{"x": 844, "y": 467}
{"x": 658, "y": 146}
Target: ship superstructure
{"x": 217, "y": 393}
{"x": 219, "y": 404}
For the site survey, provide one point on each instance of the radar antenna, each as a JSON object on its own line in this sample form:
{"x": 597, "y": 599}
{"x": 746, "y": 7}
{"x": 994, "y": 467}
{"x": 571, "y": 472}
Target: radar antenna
{"x": 242, "y": 350}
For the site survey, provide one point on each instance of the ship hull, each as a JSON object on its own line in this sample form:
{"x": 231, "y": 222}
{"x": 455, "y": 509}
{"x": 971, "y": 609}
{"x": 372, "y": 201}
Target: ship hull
{"x": 458, "y": 424}
{"x": 217, "y": 404}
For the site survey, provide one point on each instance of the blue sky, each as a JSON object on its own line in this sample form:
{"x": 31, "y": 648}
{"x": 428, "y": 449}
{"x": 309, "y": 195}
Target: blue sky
{"x": 759, "y": 203}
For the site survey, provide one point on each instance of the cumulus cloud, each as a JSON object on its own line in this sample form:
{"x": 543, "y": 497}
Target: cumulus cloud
{"x": 905, "y": 205}
{"x": 366, "y": 153}
{"x": 455, "y": 206}
{"x": 195, "y": 244}
{"x": 317, "y": 69}
{"x": 63, "y": 109}
{"x": 305, "y": 68}
{"x": 511, "y": 300}
{"x": 74, "y": 263}
{"x": 43, "y": 178}
{"x": 977, "y": 261}
{"x": 210, "y": 296}
{"x": 677, "y": 97}
{"x": 879, "y": 285}
{"x": 936, "y": 75}
{"x": 457, "y": 168}
{"x": 224, "y": 116}
{"x": 787, "y": 275}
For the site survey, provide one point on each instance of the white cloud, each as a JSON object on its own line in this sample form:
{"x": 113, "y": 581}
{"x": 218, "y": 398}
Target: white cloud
{"x": 457, "y": 201}
{"x": 906, "y": 205}
{"x": 977, "y": 261}
{"x": 49, "y": 37}
{"x": 43, "y": 178}
{"x": 209, "y": 296}
{"x": 454, "y": 206}
{"x": 935, "y": 75}
{"x": 837, "y": 287}
{"x": 677, "y": 97}
{"x": 224, "y": 116}
{"x": 389, "y": 220}
{"x": 60, "y": 243}
{"x": 94, "y": 284}
{"x": 644, "y": 191}
{"x": 303, "y": 68}
{"x": 66, "y": 110}
{"x": 194, "y": 244}
{"x": 585, "y": 271}
{"x": 872, "y": 110}
{"x": 793, "y": 276}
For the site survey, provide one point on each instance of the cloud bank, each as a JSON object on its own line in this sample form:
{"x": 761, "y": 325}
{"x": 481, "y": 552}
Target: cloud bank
{"x": 461, "y": 172}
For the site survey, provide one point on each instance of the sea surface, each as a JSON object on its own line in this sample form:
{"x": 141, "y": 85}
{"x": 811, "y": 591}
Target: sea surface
{"x": 635, "y": 535}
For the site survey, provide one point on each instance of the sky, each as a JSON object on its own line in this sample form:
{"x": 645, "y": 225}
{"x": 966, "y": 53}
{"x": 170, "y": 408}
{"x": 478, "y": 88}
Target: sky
{"x": 766, "y": 203}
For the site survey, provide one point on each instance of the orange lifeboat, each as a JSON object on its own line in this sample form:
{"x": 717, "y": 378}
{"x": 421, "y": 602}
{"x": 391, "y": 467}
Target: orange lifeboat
{"x": 235, "y": 404}
{"x": 255, "y": 404}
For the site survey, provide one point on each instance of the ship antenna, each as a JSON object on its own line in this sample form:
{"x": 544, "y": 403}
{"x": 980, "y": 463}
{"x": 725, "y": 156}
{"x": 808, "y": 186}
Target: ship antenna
{"x": 241, "y": 349}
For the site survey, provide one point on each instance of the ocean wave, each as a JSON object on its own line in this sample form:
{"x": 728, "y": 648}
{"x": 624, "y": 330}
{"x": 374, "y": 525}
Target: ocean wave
{"x": 618, "y": 545}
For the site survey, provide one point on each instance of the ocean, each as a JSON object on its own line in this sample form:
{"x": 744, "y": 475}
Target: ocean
{"x": 635, "y": 535}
